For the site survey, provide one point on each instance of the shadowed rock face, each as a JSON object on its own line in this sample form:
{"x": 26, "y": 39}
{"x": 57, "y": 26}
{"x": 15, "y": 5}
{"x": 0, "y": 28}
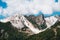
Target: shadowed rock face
{"x": 41, "y": 21}
{"x": 37, "y": 21}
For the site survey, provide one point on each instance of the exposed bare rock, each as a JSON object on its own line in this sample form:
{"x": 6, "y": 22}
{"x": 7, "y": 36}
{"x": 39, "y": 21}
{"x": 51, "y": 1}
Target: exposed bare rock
{"x": 38, "y": 21}
{"x": 31, "y": 24}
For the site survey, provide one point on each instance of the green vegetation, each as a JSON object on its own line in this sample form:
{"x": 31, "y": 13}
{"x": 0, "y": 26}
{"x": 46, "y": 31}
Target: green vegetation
{"x": 58, "y": 34}
{"x": 11, "y": 33}
{"x": 46, "y": 35}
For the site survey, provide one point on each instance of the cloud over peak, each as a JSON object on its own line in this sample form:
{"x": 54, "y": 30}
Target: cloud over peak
{"x": 30, "y": 7}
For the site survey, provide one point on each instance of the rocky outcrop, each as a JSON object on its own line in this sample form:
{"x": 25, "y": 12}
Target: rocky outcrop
{"x": 38, "y": 21}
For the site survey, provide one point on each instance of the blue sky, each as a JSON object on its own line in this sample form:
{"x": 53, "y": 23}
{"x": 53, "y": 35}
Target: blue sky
{"x": 4, "y": 6}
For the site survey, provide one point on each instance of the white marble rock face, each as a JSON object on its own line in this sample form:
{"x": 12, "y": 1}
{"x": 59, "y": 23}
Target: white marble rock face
{"x": 16, "y": 21}
{"x": 51, "y": 21}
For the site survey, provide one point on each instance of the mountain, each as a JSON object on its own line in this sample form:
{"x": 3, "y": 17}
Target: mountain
{"x": 31, "y": 24}
{"x": 22, "y": 27}
{"x": 19, "y": 27}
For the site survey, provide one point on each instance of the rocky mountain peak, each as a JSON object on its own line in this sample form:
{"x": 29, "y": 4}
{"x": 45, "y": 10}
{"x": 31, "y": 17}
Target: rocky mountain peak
{"x": 35, "y": 24}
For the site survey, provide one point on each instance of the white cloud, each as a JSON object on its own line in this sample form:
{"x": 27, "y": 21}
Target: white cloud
{"x": 31, "y": 7}
{"x": 1, "y": 10}
{"x": 56, "y": 6}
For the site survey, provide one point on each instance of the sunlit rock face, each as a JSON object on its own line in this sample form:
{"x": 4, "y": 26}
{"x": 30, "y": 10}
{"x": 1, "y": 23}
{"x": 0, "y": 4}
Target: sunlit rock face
{"x": 58, "y": 17}
{"x": 16, "y": 21}
{"x": 16, "y": 26}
